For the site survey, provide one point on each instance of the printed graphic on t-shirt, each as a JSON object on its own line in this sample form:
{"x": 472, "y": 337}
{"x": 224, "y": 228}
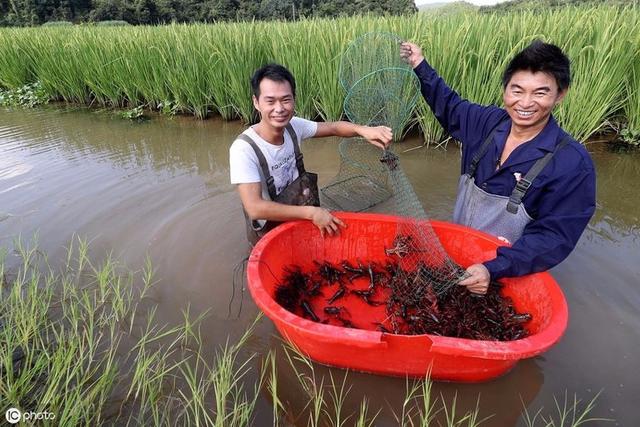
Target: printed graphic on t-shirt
{"x": 286, "y": 169}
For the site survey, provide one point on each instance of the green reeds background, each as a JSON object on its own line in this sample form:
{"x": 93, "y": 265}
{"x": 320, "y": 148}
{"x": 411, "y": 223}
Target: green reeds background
{"x": 204, "y": 69}
{"x": 632, "y": 105}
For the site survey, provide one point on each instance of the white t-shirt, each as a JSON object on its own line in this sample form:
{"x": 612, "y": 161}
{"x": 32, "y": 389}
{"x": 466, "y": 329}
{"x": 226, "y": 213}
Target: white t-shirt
{"x": 244, "y": 166}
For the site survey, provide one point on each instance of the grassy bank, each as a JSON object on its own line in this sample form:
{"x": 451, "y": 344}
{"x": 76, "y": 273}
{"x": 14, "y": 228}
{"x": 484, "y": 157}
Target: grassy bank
{"x": 204, "y": 69}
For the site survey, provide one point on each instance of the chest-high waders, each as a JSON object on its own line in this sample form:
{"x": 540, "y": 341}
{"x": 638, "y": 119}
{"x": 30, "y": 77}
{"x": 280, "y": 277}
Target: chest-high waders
{"x": 303, "y": 191}
{"x": 498, "y": 215}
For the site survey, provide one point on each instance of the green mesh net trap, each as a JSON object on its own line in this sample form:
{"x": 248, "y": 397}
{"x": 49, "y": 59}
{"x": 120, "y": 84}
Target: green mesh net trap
{"x": 363, "y": 181}
{"x": 382, "y": 89}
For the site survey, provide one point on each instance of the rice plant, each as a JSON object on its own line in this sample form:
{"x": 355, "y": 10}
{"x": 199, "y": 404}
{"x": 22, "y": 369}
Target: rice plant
{"x": 204, "y": 69}
{"x": 77, "y": 343}
{"x": 16, "y": 58}
{"x": 572, "y": 413}
{"x": 330, "y": 39}
{"x": 238, "y": 50}
{"x": 602, "y": 54}
{"x": 631, "y": 133}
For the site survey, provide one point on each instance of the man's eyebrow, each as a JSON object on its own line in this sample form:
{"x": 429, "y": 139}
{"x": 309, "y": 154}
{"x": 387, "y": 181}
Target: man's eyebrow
{"x": 538, "y": 89}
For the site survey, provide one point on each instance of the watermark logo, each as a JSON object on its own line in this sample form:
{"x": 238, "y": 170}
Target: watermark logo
{"x": 13, "y": 415}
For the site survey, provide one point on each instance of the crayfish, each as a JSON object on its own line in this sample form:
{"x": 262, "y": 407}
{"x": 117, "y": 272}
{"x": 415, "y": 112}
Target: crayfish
{"x": 416, "y": 300}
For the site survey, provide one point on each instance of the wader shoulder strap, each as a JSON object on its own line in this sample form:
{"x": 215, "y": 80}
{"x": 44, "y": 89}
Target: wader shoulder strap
{"x": 263, "y": 164}
{"x": 523, "y": 185}
{"x": 480, "y": 152}
{"x": 296, "y": 149}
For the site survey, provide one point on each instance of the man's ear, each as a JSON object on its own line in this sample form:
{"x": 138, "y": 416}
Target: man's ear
{"x": 255, "y": 102}
{"x": 561, "y": 95}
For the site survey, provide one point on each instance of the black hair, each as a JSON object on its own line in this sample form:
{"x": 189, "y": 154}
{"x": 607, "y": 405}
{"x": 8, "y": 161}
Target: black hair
{"x": 544, "y": 57}
{"x": 275, "y": 72}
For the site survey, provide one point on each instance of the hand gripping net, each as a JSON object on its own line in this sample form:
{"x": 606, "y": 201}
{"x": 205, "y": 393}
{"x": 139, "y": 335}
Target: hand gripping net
{"x": 383, "y": 90}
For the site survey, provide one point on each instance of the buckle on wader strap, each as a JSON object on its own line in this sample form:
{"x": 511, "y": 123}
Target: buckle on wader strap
{"x": 515, "y": 199}
{"x": 271, "y": 187}
{"x": 516, "y": 196}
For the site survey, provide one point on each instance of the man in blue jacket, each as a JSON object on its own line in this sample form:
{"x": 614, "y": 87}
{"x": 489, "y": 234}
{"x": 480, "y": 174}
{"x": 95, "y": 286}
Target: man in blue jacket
{"x": 523, "y": 178}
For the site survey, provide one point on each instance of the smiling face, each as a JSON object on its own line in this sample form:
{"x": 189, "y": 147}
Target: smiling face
{"x": 530, "y": 97}
{"x": 275, "y": 103}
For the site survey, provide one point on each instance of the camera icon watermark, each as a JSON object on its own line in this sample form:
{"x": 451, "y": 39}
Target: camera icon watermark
{"x": 14, "y": 415}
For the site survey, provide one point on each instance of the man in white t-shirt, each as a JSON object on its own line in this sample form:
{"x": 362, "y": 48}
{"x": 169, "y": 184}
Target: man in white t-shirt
{"x": 275, "y": 138}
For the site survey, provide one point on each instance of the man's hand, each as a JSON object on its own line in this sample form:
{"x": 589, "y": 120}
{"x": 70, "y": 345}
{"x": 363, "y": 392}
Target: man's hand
{"x": 326, "y": 222}
{"x": 478, "y": 281}
{"x": 411, "y": 53}
{"x": 380, "y": 136}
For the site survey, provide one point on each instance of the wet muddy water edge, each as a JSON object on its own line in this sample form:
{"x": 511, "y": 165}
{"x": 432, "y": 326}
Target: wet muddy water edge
{"x": 161, "y": 188}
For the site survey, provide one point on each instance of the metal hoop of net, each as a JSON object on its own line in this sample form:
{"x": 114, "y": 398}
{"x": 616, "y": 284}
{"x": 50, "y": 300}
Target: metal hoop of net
{"x": 383, "y": 97}
{"x": 368, "y": 53}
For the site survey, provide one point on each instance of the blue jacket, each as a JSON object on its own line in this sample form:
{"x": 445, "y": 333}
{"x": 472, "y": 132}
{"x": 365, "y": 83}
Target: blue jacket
{"x": 561, "y": 200}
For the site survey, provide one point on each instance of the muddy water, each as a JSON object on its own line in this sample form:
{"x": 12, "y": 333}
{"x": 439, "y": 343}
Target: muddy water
{"x": 160, "y": 188}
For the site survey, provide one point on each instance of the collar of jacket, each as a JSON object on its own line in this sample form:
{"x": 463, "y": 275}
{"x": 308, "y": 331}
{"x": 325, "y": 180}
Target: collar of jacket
{"x": 543, "y": 142}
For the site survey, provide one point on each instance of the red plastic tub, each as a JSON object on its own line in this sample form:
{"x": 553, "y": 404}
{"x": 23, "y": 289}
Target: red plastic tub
{"x": 453, "y": 359}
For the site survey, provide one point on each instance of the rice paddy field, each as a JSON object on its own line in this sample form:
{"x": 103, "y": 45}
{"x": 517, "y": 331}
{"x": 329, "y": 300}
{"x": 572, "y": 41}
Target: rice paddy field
{"x": 204, "y": 69}
{"x": 118, "y": 238}
{"x": 119, "y": 303}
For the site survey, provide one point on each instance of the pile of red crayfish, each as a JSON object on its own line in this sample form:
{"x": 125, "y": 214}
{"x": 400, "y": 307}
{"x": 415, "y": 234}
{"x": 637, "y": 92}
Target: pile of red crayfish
{"x": 373, "y": 296}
